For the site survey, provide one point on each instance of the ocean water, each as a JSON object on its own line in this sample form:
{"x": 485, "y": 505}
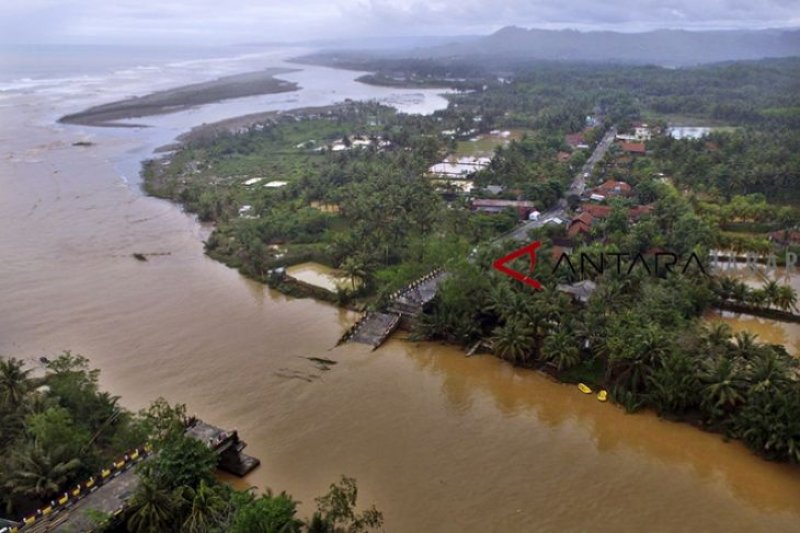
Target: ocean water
{"x": 58, "y": 80}
{"x": 29, "y": 65}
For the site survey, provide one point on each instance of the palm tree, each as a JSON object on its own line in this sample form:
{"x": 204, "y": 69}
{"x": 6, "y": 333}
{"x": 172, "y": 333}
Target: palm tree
{"x": 208, "y": 509}
{"x": 741, "y": 292}
{"x": 767, "y": 371}
{"x": 34, "y": 474}
{"x": 513, "y": 341}
{"x": 771, "y": 290}
{"x": 786, "y": 299}
{"x": 746, "y": 344}
{"x": 758, "y": 298}
{"x": 717, "y": 334}
{"x": 560, "y": 348}
{"x": 354, "y": 269}
{"x": 722, "y": 385}
{"x": 14, "y": 384}
{"x": 628, "y": 372}
{"x": 674, "y": 386}
{"x": 726, "y": 286}
{"x": 152, "y": 508}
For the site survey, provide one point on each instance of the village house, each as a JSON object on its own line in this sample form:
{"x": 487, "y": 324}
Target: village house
{"x": 576, "y": 141}
{"x": 635, "y": 148}
{"x": 611, "y": 188}
{"x": 523, "y": 207}
{"x": 635, "y": 213}
{"x": 580, "y": 224}
{"x": 785, "y": 237}
{"x": 561, "y": 245}
{"x": 640, "y": 132}
{"x": 603, "y": 211}
{"x": 581, "y": 291}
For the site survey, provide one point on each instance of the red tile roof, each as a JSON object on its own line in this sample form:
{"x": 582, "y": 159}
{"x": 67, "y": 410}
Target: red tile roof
{"x": 639, "y": 211}
{"x": 602, "y": 211}
{"x": 580, "y": 224}
{"x": 614, "y": 186}
{"x": 597, "y": 211}
{"x": 785, "y": 236}
{"x": 574, "y": 139}
{"x": 633, "y": 148}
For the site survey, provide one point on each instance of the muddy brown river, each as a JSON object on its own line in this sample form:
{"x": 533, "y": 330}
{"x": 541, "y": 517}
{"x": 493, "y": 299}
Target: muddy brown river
{"x": 438, "y": 441}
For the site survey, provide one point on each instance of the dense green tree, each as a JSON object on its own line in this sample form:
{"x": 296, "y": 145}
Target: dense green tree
{"x": 33, "y": 473}
{"x": 208, "y": 507}
{"x": 336, "y": 511}
{"x": 561, "y": 349}
{"x": 514, "y": 341}
{"x": 152, "y": 507}
{"x": 268, "y": 513}
{"x": 14, "y": 383}
{"x": 181, "y": 462}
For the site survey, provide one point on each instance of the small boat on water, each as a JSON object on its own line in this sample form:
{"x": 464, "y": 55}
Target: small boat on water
{"x": 602, "y": 396}
{"x": 584, "y": 388}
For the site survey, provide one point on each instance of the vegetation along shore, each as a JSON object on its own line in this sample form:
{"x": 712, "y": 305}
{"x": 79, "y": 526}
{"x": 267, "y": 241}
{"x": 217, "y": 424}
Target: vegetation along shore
{"x": 63, "y": 438}
{"x": 385, "y": 198}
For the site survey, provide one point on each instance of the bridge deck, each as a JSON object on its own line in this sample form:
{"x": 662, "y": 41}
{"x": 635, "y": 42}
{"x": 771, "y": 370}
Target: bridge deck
{"x": 374, "y": 327}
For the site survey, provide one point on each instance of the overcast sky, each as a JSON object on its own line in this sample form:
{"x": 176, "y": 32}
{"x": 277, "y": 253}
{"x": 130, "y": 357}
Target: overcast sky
{"x": 232, "y": 21}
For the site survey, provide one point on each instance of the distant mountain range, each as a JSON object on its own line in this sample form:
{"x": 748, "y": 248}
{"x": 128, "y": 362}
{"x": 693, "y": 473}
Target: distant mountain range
{"x": 662, "y": 47}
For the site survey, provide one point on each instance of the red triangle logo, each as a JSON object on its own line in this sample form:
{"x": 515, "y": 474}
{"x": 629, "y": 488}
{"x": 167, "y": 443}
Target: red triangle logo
{"x": 530, "y": 249}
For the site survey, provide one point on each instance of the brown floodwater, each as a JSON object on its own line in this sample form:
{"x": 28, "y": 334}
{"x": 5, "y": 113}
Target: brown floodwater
{"x": 320, "y": 275}
{"x": 771, "y": 331}
{"x": 438, "y": 441}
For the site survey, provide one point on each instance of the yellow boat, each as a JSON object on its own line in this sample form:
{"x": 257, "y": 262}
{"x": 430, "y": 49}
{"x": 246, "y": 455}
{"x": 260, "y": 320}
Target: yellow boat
{"x": 77, "y": 491}
{"x": 602, "y": 396}
{"x": 105, "y": 473}
{"x": 90, "y": 483}
{"x": 64, "y": 499}
{"x": 584, "y": 389}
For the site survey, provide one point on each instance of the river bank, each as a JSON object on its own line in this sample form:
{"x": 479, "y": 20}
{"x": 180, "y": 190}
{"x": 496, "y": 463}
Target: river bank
{"x": 221, "y": 190}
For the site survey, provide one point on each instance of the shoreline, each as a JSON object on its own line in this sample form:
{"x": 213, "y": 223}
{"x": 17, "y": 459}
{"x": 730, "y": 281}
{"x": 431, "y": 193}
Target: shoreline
{"x": 184, "y": 97}
{"x": 209, "y": 130}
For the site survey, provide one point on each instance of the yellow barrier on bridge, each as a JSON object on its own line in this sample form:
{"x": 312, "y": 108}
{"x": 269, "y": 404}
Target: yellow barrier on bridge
{"x": 91, "y": 483}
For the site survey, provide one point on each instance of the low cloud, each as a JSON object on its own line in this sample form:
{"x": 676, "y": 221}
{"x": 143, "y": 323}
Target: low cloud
{"x": 207, "y": 21}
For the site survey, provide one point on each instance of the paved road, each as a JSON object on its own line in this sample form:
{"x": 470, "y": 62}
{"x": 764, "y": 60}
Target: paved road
{"x": 579, "y": 183}
{"x": 520, "y": 233}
